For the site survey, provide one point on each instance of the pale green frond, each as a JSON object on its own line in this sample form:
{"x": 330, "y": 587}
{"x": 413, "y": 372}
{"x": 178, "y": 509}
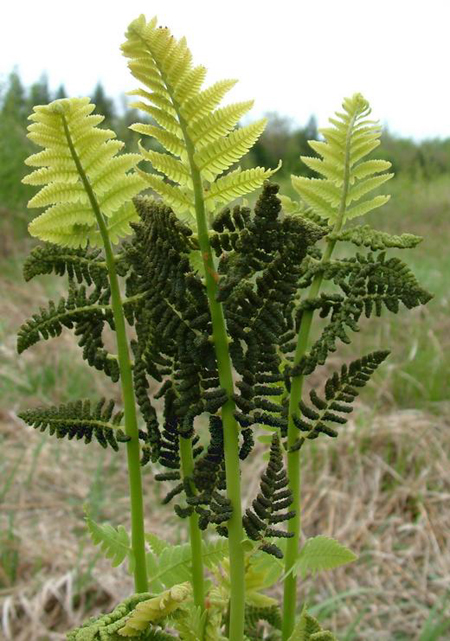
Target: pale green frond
{"x": 346, "y": 179}
{"x": 163, "y": 118}
{"x": 168, "y": 140}
{"x": 192, "y": 125}
{"x": 114, "y": 542}
{"x": 366, "y": 206}
{"x": 205, "y": 101}
{"x": 78, "y": 166}
{"x": 168, "y": 165}
{"x": 175, "y": 197}
{"x": 191, "y": 84}
{"x": 129, "y": 186}
{"x": 326, "y": 169}
{"x": 218, "y": 123}
{"x": 370, "y": 167}
{"x": 155, "y": 609}
{"x": 321, "y": 553}
{"x": 235, "y": 184}
{"x": 118, "y": 225}
{"x": 113, "y": 173}
{"x": 218, "y": 156}
{"x": 57, "y": 192}
{"x": 66, "y": 224}
{"x": 363, "y": 187}
{"x": 46, "y": 175}
{"x": 309, "y": 629}
{"x": 314, "y": 197}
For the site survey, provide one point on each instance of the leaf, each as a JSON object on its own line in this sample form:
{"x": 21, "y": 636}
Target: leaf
{"x": 309, "y": 629}
{"x": 321, "y": 553}
{"x": 173, "y": 564}
{"x": 157, "y": 545}
{"x": 155, "y": 609}
{"x": 114, "y": 542}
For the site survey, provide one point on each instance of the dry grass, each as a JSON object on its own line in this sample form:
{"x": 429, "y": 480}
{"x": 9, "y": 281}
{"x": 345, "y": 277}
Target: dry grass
{"x": 383, "y": 489}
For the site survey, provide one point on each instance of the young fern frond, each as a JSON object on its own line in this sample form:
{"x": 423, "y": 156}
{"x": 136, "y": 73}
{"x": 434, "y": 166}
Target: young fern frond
{"x": 347, "y": 178}
{"x": 190, "y": 125}
{"x": 80, "y": 420}
{"x": 78, "y": 158}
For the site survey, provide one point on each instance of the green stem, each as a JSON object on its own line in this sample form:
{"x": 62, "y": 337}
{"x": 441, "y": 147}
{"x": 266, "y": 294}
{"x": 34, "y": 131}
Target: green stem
{"x": 230, "y": 426}
{"x": 126, "y": 379}
{"x": 195, "y": 536}
{"x": 293, "y": 458}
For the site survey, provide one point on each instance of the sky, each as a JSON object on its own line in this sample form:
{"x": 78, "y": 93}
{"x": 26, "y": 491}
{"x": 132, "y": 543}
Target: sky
{"x": 294, "y": 57}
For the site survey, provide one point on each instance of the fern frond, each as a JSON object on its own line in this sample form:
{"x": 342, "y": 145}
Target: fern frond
{"x": 79, "y": 420}
{"x": 266, "y": 509}
{"x": 346, "y": 177}
{"x": 113, "y": 542}
{"x": 78, "y": 307}
{"x": 341, "y": 389}
{"x": 155, "y": 609}
{"x": 235, "y": 184}
{"x": 309, "y": 629}
{"x": 171, "y": 564}
{"x": 374, "y": 239}
{"x": 198, "y": 134}
{"x": 76, "y": 151}
{"x": 82, "y": 264}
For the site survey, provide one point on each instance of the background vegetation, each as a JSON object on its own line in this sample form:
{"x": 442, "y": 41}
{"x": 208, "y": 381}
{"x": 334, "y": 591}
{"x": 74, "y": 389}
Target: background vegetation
{"x": 383, "y": 489}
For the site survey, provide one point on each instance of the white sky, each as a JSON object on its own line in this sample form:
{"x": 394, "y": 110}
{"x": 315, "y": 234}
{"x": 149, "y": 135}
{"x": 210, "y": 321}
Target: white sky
{"x": 294, "y": 57}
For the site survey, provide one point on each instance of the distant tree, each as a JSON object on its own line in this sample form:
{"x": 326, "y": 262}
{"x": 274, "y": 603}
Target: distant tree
{"x": 60, "y": 92}
{"x": 105, "y": 105}
{"x": 14, "y": 103}
{"x": 38, "y": 94}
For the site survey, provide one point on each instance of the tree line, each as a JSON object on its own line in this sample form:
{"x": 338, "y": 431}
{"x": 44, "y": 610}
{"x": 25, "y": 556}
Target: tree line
{"x": 283, "y": 138}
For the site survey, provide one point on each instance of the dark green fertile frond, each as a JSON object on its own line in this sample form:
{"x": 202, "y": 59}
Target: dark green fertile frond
{"x": 82, "y": 264}
{"x": 196, "y": 133}
{"x": 341, "y": 389}
{"x": 368, "y": 284}
{"x": 268, "y": 508}
{"x": 340, "y": 194}
{"x": 85, "y": 313}
{"x": 76, "y": 155}
{"x": 78, "y": 307}
{"x": 80, "y": 420}
{"x": 364, "y": 235}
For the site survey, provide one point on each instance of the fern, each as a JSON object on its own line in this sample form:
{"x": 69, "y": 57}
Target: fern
{"x": 172, "y": 565}
{"x": 114, "y": 542}
{"x": 194, "y": 131}
{"x": 364, "y": 235}
{"x": 341, "y": 389}
{"x": 309, "y": 629}
{"x": 79, "y": 420}
{"x": 347, "y": 178}
{"x": 78, "y": 166}
{"x": 155, "y": 609}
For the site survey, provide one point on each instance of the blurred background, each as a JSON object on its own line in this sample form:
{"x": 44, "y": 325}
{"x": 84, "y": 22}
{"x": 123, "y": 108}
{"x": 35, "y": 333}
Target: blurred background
{"x": 383, "y": 488}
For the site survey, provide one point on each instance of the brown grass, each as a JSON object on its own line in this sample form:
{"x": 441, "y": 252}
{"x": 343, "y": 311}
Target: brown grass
{"x": 383, "y": 489}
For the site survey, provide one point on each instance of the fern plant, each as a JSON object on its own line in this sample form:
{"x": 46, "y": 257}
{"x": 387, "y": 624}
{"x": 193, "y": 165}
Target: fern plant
{"x": 221, "y": 299}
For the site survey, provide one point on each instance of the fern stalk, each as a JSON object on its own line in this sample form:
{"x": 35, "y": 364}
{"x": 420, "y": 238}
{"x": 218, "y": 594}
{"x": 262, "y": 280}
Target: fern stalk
{"x": 293, "y": 457}
{"x": 195, "y": 537}
{"x": 230, "y": 426}
{"x": 220, "y": 338}
{"x": 130, "y": 417}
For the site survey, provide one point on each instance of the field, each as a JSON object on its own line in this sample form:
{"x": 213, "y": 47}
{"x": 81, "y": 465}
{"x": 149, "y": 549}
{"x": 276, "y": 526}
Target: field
{"x": 383, "y": 488}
